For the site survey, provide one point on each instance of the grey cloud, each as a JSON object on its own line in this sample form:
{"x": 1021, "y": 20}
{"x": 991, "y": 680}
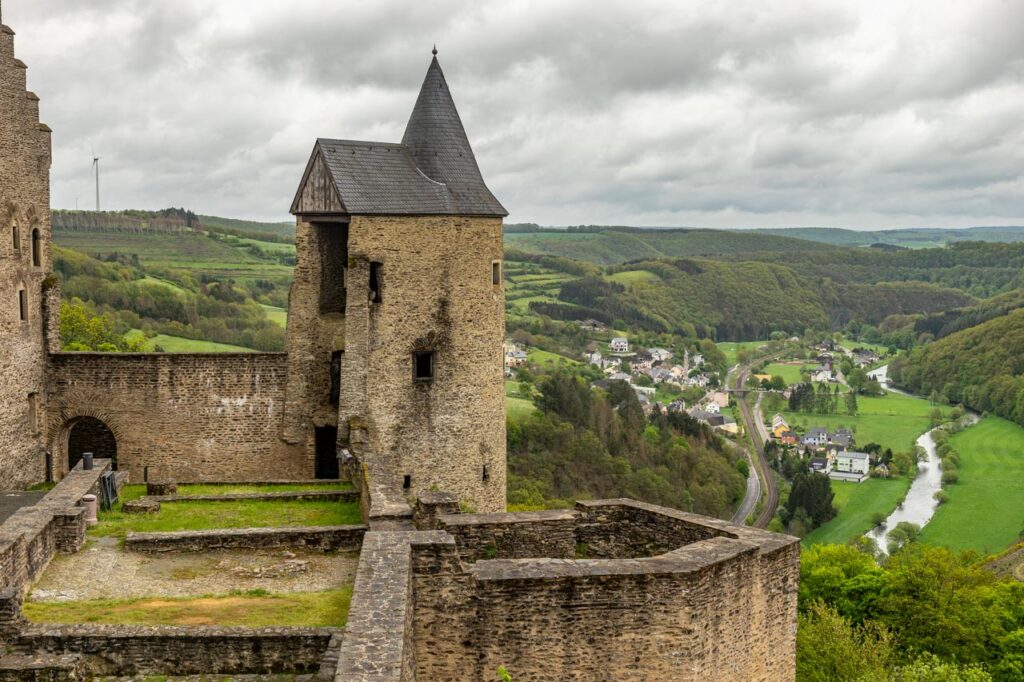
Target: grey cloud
{"x": 722, "y": 114}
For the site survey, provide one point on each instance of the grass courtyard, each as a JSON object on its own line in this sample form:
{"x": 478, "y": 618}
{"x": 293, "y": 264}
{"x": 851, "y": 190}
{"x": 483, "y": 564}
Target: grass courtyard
{"x": 175, "y": 516}
{"x": 985, "y": 511}
{"x": 252, "y": 608}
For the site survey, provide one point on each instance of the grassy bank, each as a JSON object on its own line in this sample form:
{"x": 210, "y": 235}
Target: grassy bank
{"x": 857, "y": 504}
{"x": 256, "y": 608}
{"x": 985, "y": 511}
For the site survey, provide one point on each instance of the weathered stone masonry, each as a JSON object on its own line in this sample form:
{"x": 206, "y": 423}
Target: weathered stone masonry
{"x": 190, "y": 417}
{"x": 24, "y": 264}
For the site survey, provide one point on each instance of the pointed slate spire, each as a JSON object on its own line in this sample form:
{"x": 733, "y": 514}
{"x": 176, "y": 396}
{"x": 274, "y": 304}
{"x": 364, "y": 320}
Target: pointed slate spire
{"x": 440, "y": 147}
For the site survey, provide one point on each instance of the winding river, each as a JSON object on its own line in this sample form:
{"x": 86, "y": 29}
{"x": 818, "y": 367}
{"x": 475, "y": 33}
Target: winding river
{"x": 919, "y": 505}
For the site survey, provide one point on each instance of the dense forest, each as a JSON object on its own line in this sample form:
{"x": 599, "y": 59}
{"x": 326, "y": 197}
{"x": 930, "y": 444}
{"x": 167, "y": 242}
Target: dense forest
{"x": 584, "y": 444}
{"x": 981, "y": 367}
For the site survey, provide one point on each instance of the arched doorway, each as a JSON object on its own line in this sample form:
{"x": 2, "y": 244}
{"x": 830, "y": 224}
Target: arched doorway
{"x": 88, "y": 434}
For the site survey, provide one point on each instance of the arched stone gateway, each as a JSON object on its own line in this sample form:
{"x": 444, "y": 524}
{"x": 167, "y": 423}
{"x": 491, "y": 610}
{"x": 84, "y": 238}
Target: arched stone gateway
{"x": 89, "y": 434}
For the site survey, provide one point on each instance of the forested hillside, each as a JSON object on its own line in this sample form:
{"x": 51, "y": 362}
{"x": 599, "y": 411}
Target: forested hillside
{"x": 982, "y": 367}
{"x": 746, "y": 300}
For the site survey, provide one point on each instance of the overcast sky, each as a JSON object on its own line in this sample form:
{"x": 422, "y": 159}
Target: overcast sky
{"x": 721, "y": 114}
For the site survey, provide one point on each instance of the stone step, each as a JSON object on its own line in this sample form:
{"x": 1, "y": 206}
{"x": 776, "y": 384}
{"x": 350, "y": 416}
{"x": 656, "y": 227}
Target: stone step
{"x": 42, "y": 668}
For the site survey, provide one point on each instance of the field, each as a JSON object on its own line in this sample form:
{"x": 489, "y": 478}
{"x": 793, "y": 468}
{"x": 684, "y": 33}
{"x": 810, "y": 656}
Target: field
{"x": 985, "y": 511}
{"x": 176, "y": 344}
{"x": 731, "y": 348}
{"x": 789, "y": 373}
{"x": 543, "y": 357}
{"x": 893, "y": 421}
{"x": 516, "y": 407}
{"x": 278, "y": 315}
{"x": 193, "y": 252}
{"x": 528, "y": 282}
{"x": 857, "y": 503}
{"x": 630, "y": 277}
{"x": 256, "y": 608}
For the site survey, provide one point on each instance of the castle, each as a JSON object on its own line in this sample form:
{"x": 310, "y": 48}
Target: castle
{"x": 393, "y": 379}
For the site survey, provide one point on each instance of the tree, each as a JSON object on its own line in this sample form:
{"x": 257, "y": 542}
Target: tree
{"x": 830, "y": 647}
{"x": 851, "y": 403}
{"x": 812, "y": 492}
{"x": 902, "y": 535}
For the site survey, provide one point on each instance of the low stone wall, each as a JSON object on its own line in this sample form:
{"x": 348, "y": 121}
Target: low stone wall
{"x": 513, "y": 535}
{"x": 719, "y": 605}
{"x": 326, "y": 538}
{"x": 156, "y": 650}
{"x": 29, "y": 538}
{"x": 378, "y": 645}
{"x": 150, "y": 504}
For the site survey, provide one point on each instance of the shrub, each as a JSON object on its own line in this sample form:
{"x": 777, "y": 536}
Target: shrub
{"x": 951, "y": 477}
{"x": 941, "y": 496}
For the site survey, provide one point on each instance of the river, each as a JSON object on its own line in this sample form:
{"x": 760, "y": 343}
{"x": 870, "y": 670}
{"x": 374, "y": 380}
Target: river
{"x": 919, "y": 505}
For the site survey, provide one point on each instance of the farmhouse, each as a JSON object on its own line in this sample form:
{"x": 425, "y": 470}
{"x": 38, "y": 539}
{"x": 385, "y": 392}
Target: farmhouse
{"x": 620, "y": 344}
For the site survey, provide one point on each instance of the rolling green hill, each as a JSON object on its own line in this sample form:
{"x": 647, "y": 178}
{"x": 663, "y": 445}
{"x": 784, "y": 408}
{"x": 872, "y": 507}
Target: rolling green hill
{"x": 915, "y": 238}
{"x": 622, "y": 245}
{"x": 982, "y": 367}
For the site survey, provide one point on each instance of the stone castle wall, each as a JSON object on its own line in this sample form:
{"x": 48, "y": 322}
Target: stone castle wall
{"x": 186, "y": 417}
{"x": 716, "y": 602}
{"x": 24, "y": 208}
{"x": 436, "y": 295}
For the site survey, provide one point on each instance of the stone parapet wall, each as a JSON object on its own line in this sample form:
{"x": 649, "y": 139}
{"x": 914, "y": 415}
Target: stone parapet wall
{"x": 31, "y": 536}
{"x": 208, "y": 416}
{"x": 182, "y": 650}
{"x": 513, "y": 535}
{"x": 325, "y": 538}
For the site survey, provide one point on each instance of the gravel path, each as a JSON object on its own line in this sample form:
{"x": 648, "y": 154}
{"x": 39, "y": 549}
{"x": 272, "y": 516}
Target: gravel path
{"x": 102, "y": 570}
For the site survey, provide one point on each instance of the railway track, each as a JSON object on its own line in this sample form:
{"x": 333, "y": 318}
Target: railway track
{"x": 768, "y": 481}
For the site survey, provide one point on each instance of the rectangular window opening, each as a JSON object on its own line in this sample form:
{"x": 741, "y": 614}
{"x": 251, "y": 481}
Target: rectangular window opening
{"x": 332, "y": 240}
{"x": 423, "y": 365}
{"x": 407, "y": 481}
{"x": 335, "y": 393}
{"x": 487, "y": 474}
{"x": 496, "y": 273}
{"x": 33, "y": 412}
{"x": 375, "y": 271}
{"x": 23, "y": 304}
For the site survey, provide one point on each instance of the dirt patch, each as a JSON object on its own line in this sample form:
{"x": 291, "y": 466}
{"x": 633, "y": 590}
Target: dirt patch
{"x": 102, "y": 570}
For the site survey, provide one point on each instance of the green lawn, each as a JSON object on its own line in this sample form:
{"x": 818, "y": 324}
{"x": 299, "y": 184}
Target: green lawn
{"x": 275, "y": 314}
{"x": 233, "y": 488}
{"x": 893, "y": 421}
{"x": 543, "y": 357}
{"x": 985, "y": 511}
{"x": 256, "y": 608}
{"x": 857, "y": 503}
{"x": 517, "y": 408}
{"x": 789, "y": 373}
{"x": 174, "y": 516}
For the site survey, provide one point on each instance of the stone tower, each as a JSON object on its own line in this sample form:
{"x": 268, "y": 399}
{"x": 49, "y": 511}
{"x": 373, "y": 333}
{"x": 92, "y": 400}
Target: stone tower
{"x": 24, "y": 266}
{"x": 396, "y": 317}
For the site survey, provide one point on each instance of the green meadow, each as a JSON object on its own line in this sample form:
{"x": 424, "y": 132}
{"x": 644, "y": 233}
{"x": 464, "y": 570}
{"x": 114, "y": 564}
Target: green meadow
{"x": 857, "y": 504}
{"x": 985, "y": 511}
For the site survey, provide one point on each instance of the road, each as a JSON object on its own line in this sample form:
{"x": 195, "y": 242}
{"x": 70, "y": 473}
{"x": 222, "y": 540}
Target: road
{"x": 755, "y": 427}
{"x": 753, "y": 491}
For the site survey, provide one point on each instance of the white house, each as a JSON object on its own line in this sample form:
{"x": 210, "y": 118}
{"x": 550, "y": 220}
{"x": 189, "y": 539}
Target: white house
{"x": 697, "y": 359}
{"x": 712, "y": 408}
{"x": 620, "y": 344}
{"x": 852, "y": 463}
{"x": 660, "y": 354}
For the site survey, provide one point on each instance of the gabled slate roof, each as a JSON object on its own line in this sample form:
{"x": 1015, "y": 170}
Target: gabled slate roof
{"x": 432, "y": 172}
